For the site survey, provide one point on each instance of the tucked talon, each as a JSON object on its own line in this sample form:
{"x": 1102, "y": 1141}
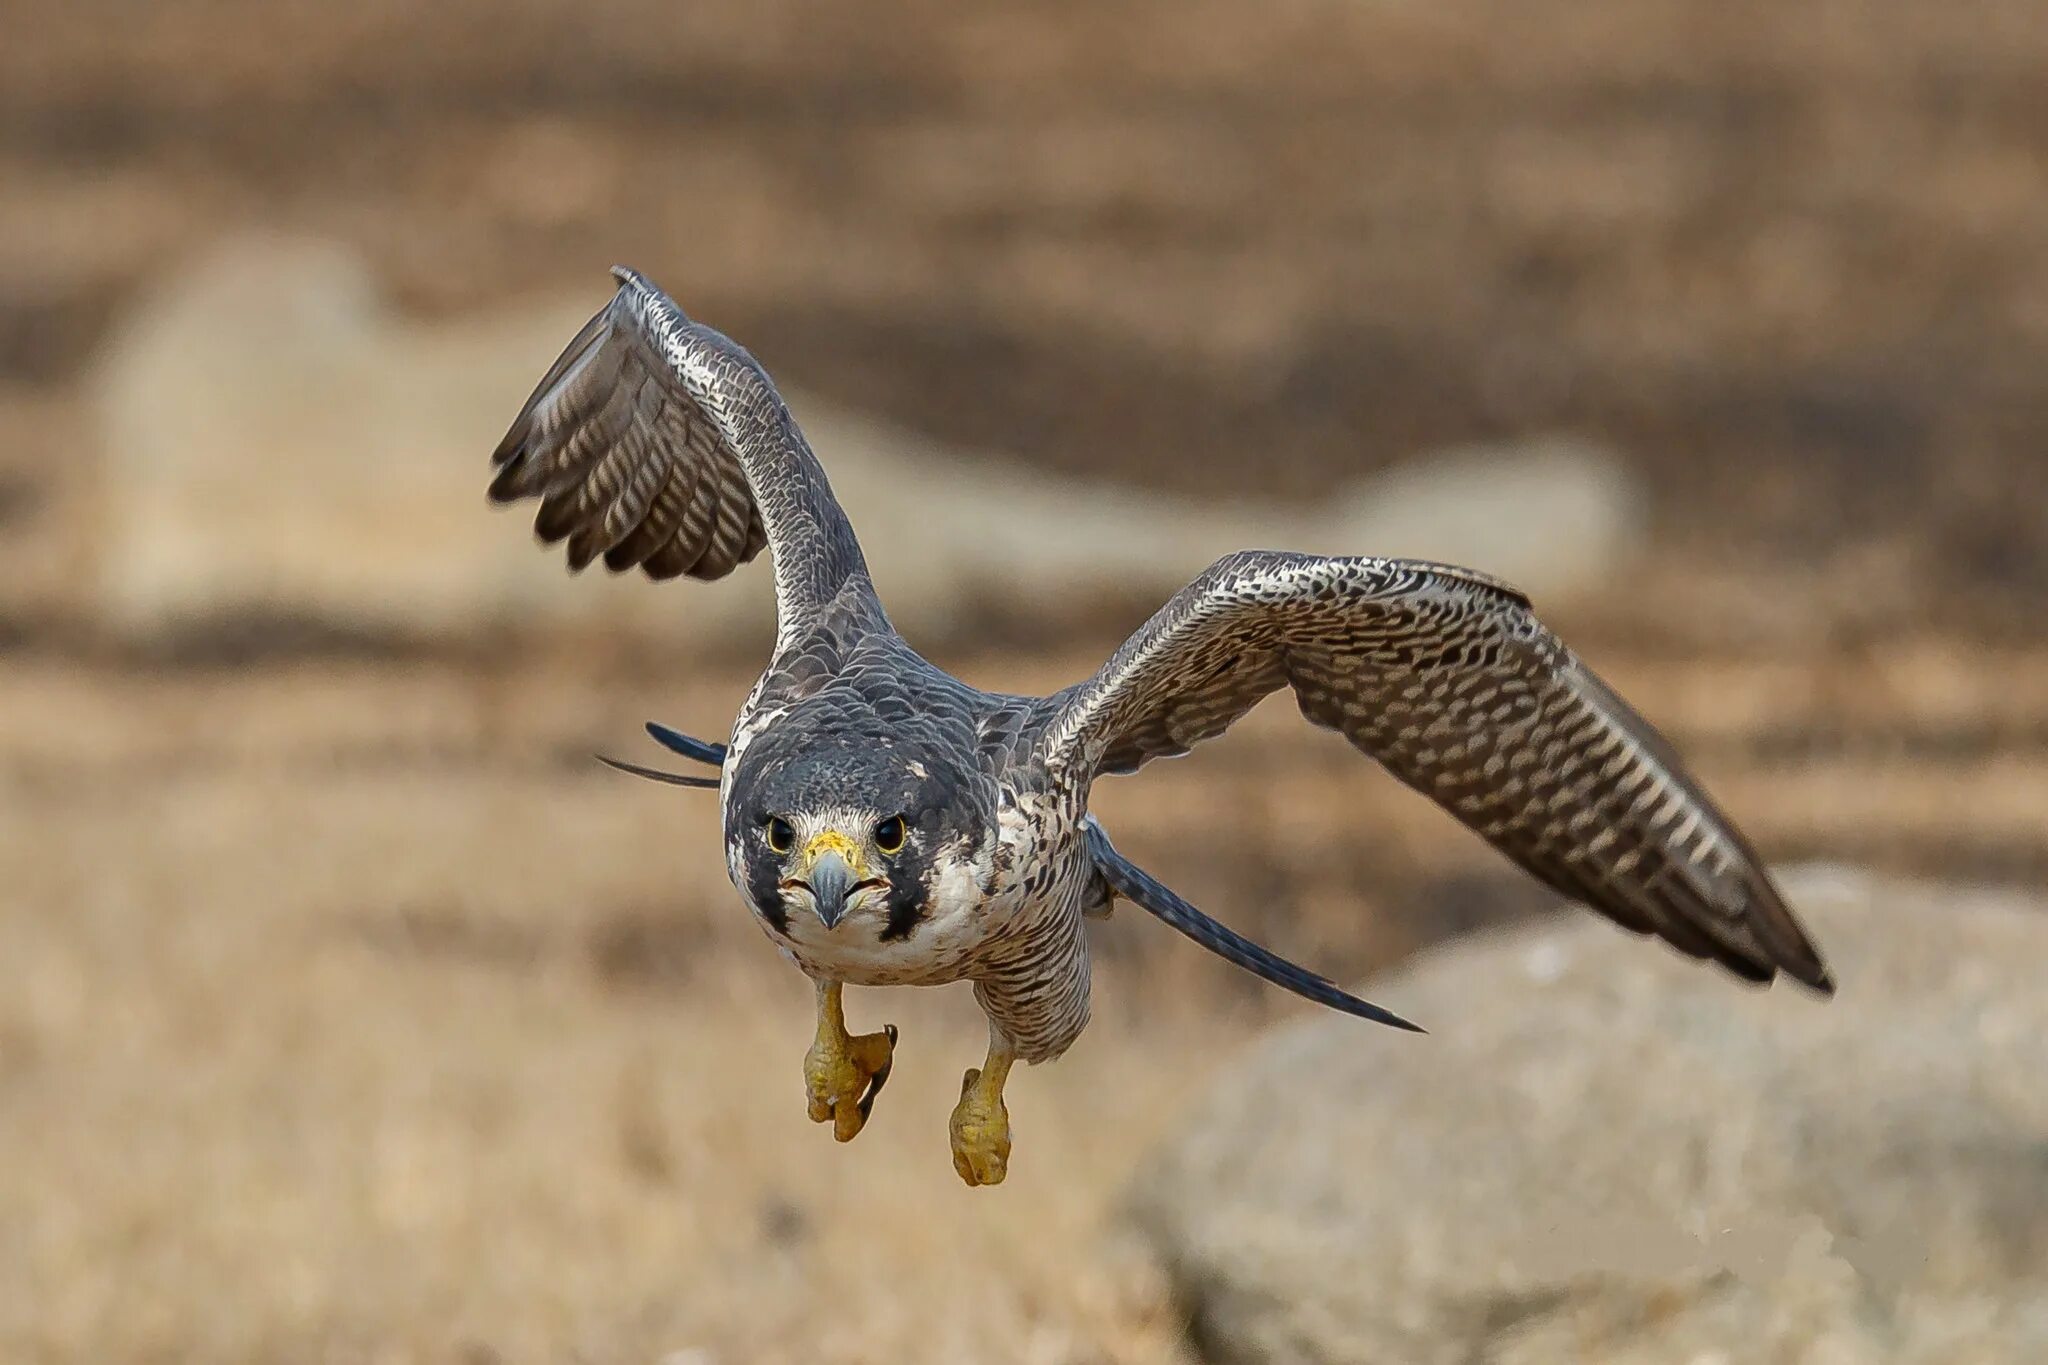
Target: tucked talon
{"x": 844, "y": 1072}
{"x": 980, "y": 1127}
{"x": 881, "y": 1076}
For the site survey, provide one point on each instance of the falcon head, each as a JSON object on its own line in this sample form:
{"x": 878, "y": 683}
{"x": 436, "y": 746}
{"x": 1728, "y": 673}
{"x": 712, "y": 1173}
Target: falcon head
{"x": 864, "y": 833}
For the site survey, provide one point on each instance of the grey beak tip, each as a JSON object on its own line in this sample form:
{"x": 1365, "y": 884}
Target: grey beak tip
{"x": 831, "y": 879}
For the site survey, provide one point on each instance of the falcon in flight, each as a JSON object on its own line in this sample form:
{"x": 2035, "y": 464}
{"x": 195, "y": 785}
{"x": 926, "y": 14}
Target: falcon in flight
{"x": 889, "y": 825}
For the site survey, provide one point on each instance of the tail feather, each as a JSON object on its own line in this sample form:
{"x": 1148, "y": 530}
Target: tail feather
{"x": 701, "y": 750}
{"x": 1139, "y": 887}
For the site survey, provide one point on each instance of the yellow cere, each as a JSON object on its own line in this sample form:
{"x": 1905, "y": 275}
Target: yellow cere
{"x": 832, "y": 841}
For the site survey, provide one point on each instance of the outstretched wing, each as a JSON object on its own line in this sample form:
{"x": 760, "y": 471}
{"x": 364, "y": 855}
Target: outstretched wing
{"x": 1449, "y": 680}
{"x": 657, "y": 443}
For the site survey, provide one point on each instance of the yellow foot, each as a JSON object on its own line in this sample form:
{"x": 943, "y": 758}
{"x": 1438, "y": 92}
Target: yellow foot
{"x": 844, "y": 1073}
{"x": 981, "y": 1125}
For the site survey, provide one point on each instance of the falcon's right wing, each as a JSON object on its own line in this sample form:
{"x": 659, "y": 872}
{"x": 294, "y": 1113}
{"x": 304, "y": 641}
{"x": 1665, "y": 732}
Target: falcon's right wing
{"x": 658, "y": 443}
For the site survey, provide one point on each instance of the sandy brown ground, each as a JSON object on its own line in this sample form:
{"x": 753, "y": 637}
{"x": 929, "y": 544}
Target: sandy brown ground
{"x": 406, "y": 1057}
{"x": 347, "y": 1012}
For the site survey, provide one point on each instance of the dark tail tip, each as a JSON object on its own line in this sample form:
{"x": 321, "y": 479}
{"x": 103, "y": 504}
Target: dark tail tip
{"x": 697, "y": 750}
{"x": 657, "y": 775}
{"x": 1387, "y": 1017}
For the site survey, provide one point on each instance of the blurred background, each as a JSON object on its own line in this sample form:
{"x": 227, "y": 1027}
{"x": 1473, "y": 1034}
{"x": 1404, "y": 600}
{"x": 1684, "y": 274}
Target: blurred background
{"x": 348, "y": 1011}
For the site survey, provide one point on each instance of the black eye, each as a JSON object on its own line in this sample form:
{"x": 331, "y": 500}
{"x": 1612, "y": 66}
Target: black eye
{"x": 781, "y": 837}
{"x": 889, "y": 835}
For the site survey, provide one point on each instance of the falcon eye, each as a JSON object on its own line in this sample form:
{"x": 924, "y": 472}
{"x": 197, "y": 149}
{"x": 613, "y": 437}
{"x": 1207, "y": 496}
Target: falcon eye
{"x": 889, "y": 835}
{"x": 781, "y": 836}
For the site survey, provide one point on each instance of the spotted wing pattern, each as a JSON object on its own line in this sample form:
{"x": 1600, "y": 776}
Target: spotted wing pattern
{"x": 655, "y": 442}
{"x": 1448, "y": 679}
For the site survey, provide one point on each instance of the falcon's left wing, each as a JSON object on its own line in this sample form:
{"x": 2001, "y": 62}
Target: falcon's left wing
{"x": 1449, "y": 680}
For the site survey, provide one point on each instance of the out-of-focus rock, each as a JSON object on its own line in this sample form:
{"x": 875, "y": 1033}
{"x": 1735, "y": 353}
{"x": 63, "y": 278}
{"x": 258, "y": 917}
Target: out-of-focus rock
{"x": 1554, "y": 515}
{"x": 1605, "y": 1152}
{"x": 277, "y": 441}
{"x": 274, "y": 441}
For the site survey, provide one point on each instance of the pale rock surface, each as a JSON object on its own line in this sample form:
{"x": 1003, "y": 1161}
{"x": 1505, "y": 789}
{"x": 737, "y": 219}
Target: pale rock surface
{"x": 277, "y": 440}
{"x": 1605, "y": 1152}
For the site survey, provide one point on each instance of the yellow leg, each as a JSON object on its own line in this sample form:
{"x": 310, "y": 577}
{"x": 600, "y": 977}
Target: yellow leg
{"x": 843, "y": 1073}
{"x": 981, "y": 1124}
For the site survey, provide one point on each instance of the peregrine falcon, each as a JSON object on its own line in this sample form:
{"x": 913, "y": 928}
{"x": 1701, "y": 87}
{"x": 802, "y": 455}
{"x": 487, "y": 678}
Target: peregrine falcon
{"x": 887, "y": 824}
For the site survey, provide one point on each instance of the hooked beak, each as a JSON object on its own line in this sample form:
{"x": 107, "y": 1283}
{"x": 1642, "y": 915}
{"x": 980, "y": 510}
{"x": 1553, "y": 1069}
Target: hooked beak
{"x": 832, "y": 868}
{"x": 831, "y": 880}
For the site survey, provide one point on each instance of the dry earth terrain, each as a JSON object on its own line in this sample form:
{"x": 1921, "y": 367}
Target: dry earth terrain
{"x": 354, "y": 1015}
{"x": 349, "y": 1013}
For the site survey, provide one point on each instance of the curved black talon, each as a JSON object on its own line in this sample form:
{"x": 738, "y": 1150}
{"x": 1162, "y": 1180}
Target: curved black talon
{"x": 880, "y": 1078}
